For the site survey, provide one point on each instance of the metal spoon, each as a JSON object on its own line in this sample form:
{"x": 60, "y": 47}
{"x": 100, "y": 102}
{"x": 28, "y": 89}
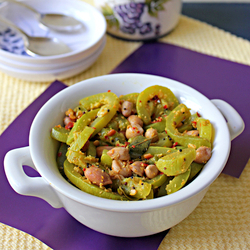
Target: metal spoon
{"x": 58, "y": 22}
{"x": 43, "y": 46}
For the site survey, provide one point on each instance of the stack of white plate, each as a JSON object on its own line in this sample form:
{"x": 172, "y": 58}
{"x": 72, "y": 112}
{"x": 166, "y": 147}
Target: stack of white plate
{"x": 86, "y": 44}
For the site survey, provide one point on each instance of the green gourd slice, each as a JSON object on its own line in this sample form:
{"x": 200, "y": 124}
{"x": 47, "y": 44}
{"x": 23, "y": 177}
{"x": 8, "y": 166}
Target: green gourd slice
{"x": 179, "y": 114}
{"x": 156, "y": 93}
{"x": 80, "y": 124}
{"x": 205, "y": 128}
{"x": 157, "y": 181}
{"x": 177, "y": 182}
{"x": 82, "y": 139}
{"x": 60, "y": 133}
{"x": 195, "y": 169}
{"x": 136, "y": 187}
{"x": 176, "y": 163}
{"x": 79, "y": 181}
{"x": 106, "y": 159}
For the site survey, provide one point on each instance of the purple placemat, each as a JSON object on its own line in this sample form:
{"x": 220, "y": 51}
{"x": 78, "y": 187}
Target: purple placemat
{"x": 211, "y": 76}
{"x": 215, "y": 78}
{"x": 54, "y": 227}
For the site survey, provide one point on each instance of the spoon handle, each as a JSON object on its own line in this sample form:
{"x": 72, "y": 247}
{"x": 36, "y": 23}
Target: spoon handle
{"x": 9, "y": 23}
{"x": 24, "y": 5}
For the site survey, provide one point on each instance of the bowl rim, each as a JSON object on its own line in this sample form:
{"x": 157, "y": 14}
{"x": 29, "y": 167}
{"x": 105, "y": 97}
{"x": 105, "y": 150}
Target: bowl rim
{"x": 202, "y": 182}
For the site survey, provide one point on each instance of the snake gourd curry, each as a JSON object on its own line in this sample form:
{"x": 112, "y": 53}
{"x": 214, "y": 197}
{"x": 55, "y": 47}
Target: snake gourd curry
{"x": 132, "y": 147}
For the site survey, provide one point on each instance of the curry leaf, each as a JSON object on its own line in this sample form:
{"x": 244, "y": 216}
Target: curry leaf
{"x": 138, "y": 146}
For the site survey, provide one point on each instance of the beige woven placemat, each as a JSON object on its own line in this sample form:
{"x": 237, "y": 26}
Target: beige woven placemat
{"x": 222, "y": 220}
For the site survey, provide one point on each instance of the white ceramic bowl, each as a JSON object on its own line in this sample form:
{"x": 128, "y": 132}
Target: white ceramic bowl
{"x": 31, "y": 66}
{"x": 82, "y": 43}
{"x": 44, "y": 74}
{"x": 119, "y": 218}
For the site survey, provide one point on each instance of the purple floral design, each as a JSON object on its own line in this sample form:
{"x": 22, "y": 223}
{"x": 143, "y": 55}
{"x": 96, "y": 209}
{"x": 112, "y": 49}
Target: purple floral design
{"x": 131, "y": 14}
{"x": 12, "y": 42}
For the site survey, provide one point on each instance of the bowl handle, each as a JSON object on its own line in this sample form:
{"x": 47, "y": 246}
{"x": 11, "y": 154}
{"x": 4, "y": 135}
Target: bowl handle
{"x": 234, "y": 121}
{"x": 23, "y": 184}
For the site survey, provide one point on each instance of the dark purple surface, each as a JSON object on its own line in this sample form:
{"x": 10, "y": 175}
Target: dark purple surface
{"x": 215, "y": 78}
{"x": 54, "y": 227}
